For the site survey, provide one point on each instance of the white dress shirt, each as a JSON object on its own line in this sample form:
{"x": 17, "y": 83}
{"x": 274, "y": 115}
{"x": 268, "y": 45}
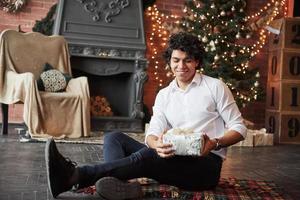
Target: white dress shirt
{"x": 206, "y": 105}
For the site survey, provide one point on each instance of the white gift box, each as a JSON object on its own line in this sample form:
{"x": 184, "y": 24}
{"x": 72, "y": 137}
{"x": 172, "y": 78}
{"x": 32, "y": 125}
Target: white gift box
{"x": 248, "y": 141}
{"x": 256, "y": 138}
{"x": 184, "y": 142}
{"x": 263, "y": 139}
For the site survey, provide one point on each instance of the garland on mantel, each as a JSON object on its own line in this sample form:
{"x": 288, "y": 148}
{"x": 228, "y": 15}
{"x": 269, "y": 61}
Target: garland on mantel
{"x": 12, "y": 6}
{"x": 45, "y": 25}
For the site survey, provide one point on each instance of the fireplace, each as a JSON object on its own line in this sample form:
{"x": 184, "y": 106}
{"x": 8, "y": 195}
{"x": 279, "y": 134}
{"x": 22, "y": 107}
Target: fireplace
{"x": 107, "y": 44}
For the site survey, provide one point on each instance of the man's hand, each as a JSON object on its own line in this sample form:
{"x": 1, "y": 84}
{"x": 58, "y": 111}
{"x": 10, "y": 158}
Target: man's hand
{"x": 163, "y": 150}
{"x": 208, "y": 146}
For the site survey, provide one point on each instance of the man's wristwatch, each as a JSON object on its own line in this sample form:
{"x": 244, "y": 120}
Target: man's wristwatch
{"x": 218, "y": 144}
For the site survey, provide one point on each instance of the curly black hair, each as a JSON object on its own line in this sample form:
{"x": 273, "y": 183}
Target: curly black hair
{"x": 187, "y": 43}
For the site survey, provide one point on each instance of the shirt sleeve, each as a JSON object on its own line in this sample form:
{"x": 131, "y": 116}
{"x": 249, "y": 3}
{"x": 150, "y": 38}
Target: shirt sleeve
{"x": 158, "y": 123}
{"x": 229, "y": 110}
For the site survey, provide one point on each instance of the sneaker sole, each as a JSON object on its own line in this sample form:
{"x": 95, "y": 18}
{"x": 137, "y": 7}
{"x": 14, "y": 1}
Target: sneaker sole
{"x": 47, "y": 147}
{"x": 111, "y": 188}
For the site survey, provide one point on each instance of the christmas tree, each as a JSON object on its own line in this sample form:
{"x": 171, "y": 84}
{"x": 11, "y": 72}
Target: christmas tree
{"x": 221, "y": 26}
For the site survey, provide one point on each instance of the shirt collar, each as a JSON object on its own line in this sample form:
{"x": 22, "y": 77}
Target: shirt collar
{"x": 196, "y": 81}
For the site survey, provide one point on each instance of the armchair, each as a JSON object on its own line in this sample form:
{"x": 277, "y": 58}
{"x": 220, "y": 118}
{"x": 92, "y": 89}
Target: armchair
{"x": 57, "y": 114}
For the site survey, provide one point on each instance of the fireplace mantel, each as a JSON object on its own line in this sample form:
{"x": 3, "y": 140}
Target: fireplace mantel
{"x": 124, "y": 32}
{"x": 107, "y": 44}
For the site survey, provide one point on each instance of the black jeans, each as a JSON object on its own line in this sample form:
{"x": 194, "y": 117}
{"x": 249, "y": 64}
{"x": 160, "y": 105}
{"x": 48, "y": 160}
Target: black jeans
{"x": 126, "y": 158}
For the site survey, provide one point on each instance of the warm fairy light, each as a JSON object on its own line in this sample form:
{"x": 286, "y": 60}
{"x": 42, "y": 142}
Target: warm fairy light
{"x": 274, "y": 4}
{"x": 272, "y": 7}
{"x": 159, "y": 36}
{"x": 266, "y": 14}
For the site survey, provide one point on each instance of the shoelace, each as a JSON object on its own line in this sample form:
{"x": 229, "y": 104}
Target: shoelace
{"x": 70, "y": 168}
{"x": 69, "y": 162}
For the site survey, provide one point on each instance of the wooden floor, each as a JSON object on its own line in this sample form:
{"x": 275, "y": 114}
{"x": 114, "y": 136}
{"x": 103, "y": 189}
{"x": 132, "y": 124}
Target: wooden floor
{"x": 23, "y": 175}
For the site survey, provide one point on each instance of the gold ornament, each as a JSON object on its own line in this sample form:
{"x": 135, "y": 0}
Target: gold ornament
{"x": 191, "y": 17}
{"x": 204, "y": 39}
{"x": 212, "y": 43}
{"x": 202, "y": 17}
{"x": 185, "y": 9}
{"x": 217, "y": 57}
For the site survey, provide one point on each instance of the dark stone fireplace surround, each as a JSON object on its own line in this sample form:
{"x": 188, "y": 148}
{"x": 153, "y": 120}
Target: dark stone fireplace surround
{"x": 107, "y": 44}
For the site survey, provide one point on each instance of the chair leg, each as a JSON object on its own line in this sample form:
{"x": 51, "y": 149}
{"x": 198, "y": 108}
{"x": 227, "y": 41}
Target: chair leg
{"x": 4, "y": 108}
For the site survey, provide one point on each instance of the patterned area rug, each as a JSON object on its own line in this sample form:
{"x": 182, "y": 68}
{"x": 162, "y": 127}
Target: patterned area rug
{"x": 228, "y": 189}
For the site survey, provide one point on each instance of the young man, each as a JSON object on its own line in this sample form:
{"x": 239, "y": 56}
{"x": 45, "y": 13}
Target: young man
{"x": 191, "y": 101}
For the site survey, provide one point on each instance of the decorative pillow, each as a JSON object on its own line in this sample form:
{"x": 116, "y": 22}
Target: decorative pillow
{"x": 185, "y": 142}
{"x": 52, "y": 80}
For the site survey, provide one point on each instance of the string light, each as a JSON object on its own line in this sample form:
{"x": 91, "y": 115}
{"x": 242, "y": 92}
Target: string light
{"x": 258, "y": 45}
{"x": 160, "y": 34}
{"x": 270, "y": 5}
{"x": 158, "y": 38}
{"x": 272, "y": 8}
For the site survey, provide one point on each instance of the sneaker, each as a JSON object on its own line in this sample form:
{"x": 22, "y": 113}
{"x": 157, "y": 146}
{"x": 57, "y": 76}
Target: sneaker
{"x": 112, "y": 188}
{"x": 26, "y": 137}
{"x": 59, "y": 169}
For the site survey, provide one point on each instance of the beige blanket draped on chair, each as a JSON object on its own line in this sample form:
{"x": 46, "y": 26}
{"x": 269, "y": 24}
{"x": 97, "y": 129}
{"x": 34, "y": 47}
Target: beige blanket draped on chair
{"x": 59, "y": 114}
